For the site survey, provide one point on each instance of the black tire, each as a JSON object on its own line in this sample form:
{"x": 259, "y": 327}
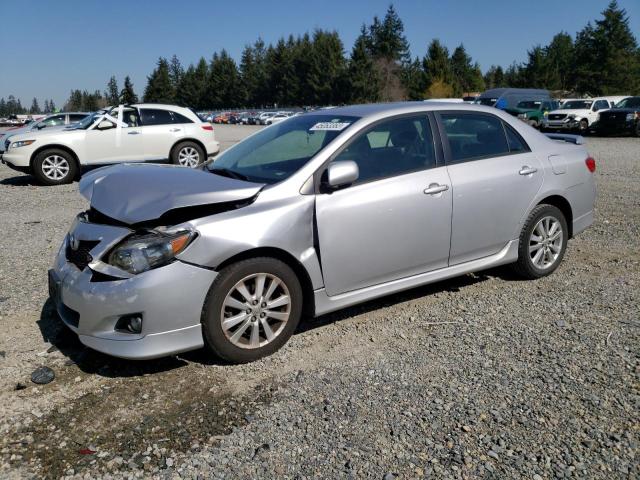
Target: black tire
{"x": 583, "y": 126}
{"x": 212, "y": 313}
{"x": 45, "y": 172}
{"x": 525, "y": 266}
{"x": 184, "y": 148}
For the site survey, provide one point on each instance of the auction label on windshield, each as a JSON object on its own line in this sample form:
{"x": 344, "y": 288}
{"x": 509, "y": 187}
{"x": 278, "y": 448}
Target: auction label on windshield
{"x": 335, "y": 126}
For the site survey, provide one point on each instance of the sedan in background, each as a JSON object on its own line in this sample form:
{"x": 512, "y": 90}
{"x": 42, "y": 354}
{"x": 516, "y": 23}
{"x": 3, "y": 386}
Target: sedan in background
{"x": 326, "y": 210}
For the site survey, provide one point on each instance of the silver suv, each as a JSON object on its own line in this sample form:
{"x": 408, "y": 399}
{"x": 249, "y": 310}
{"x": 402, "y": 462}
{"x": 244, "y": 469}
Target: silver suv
{"x": 316, "y": 213}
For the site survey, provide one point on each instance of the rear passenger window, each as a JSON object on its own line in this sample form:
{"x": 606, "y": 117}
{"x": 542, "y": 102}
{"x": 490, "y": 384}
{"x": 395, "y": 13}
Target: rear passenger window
{"x": 516, "y": 143}
{"x": 177, "y": 118}
{"x": 155, "y": 117}
{"x": 473, "y": 136}
{"x": 393, "y": 147}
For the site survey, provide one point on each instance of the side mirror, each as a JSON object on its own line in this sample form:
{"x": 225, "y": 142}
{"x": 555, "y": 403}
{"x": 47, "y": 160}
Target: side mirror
{"x": 105, "y": 125}
{"x": 342, "y": 173}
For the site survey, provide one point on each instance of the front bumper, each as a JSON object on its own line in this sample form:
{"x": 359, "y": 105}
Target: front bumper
{"x": 170, "y": 300}
{"x": 11, "y": 158}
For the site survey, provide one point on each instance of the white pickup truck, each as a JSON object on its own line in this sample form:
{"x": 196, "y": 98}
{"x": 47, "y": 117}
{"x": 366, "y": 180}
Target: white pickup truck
{"x": 126, "y": 133}
{"x": 578, "y": 114}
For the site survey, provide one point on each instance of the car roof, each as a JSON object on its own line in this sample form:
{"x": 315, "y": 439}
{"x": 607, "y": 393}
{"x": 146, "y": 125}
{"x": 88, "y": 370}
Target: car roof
{"x": 398, "y": 108}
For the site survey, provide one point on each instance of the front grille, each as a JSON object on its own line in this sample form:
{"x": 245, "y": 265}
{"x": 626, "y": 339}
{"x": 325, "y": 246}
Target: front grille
{"x": 80, "y": 256}
{"x": 557, "y": 116}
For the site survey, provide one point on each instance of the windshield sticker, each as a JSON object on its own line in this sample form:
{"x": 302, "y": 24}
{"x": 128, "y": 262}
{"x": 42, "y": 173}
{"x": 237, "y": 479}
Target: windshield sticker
{"x": 332, "y": 126}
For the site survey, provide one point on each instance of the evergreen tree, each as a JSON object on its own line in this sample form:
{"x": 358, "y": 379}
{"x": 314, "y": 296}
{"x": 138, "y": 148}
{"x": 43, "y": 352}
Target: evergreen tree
{"x": 52, "y": 106}
{"x": 560, "y": 56}
{"x": 112, "y": 94}
{"x": 466, "y": 75}
{"x": 326, "y": 69}
{"x": 176, "y": 72}
{"x": 437, "y": 66}
{"x": 127, "y": 94}
{"x": 414, "y": 80}
{"x": 74, "y": 103}
{"x": 494, "y": 78}
{"x": 607, "y": 55}
{"x": 35, "y": 108}
{"x": 224, "y": 81}
{"x": 364, "y": 83}
{"x": 159, "y": 88}
{"x": 46, "y": 108}
{"x": 515, "y": 77}
{"x": 387, "y": 38}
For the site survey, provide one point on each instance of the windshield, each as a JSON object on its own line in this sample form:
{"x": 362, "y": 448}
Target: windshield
{"x": 87, "y": 121}
{"x": 631, "y": 102}
{"x": 577, "y": 105}
{"x": 275, "y": 153}
{"x": 490, "y": 102}
{"x": 530, "y": 105}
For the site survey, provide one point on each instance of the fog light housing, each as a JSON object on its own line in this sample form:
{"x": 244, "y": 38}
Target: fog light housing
{"x": 131, "y": 323}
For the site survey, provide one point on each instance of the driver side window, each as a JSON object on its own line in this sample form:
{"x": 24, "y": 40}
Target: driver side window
{"x": 393, "y": 147}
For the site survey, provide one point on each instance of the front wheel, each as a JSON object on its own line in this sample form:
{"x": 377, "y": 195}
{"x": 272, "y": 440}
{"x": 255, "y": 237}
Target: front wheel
{"x": 543, "y": 241}
{"x": 54, "y": 167}
{"x": 252, "y": 309}
{"x": 188, "y": 154}
{"x": 584, "y": 125}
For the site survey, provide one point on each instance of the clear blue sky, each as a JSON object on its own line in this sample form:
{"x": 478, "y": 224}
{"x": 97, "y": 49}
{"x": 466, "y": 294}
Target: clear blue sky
{"x": 49, "y": 47}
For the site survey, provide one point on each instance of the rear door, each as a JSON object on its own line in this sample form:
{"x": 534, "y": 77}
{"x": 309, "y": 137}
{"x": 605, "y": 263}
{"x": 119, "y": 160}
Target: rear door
{"x": 161, "y": 129}
{"x": 494, "y": 179}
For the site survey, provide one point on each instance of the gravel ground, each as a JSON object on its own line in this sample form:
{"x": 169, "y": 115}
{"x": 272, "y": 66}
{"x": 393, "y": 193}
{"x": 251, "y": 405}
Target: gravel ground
{"x": 483, "y": 376}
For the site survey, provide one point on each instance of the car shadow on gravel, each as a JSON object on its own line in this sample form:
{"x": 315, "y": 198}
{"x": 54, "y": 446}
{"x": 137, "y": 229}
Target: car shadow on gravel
{"x": 452, "y": 285}
{"x": 20, "y": 181}
{"x": 54, "y": 332}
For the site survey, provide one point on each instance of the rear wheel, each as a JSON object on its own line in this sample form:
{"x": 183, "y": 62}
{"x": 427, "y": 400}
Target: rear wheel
{"x": 188, "y": 154}
{"x": 533, "y": 123}
{"x": 252, "y": 309}
{"x": 55, "y": 167}
{"x": 543, "y": 241}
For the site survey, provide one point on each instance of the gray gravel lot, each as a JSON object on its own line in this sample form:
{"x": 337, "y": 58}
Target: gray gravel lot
{"x": 484, "y": 376}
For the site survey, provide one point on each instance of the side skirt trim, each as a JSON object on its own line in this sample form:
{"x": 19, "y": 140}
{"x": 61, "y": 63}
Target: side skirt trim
{"x": 325, "y": 304}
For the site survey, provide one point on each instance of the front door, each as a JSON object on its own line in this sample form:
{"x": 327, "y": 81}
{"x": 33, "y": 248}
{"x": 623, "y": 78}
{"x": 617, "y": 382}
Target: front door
{"x": 395, "y": 221}
{"x": 123, "y": 142}
{"x": 494, "y": 178}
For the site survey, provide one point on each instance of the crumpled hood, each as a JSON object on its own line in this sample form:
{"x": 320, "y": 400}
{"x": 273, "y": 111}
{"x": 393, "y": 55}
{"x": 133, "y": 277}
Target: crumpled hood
{"x": 134, "y": 193}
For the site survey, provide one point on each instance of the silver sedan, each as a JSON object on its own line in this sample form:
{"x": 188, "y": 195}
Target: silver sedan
{"x": 316, "y": 213}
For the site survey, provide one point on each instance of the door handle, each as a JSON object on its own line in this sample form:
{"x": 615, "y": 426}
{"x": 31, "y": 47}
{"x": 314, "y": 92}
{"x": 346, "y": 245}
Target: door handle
{"x": 133, "y": 133}
{"x": 175, "y": 130}
{"x": 435, "y": 188}
{"x": 527, "y": 170}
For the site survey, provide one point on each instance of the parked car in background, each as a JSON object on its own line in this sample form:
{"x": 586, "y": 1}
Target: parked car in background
{"x": 533, "y": 112}
{"x": 326, "y": 210}
{"x": 127, "y": 133}
{"x": 510, "y": 97}
{"x": 56, "y": 121}
{"x": 278, "y": 117}
{"x": 264, "y": 116}
{"x": 578, "y": 114}
{"x": 221, "y": 118}
{"x": 623, "y": 118}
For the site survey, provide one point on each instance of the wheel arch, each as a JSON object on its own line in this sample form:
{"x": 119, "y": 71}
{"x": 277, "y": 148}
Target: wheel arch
{"x": 188, "y": 139}
{"x": 563, "y": 205}
{"x": 308, "y": 302}
{"x": 54, "y": 146}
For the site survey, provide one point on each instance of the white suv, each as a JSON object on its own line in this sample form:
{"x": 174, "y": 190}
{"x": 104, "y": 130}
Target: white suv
{"x": 578, "y": 114}
{"x": 127, "y": 133}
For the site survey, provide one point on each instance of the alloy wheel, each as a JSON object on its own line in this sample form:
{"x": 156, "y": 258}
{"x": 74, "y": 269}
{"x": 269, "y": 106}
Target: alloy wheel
{"x": 545, "y": 242}
{"x": 188, "y": 157}
{"x": 256, "y": 310}
{"x": 55, "y": 167}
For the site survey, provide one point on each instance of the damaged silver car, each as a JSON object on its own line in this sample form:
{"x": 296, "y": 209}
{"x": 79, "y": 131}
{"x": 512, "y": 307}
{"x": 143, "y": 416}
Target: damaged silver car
{"x": 316, "y": 213}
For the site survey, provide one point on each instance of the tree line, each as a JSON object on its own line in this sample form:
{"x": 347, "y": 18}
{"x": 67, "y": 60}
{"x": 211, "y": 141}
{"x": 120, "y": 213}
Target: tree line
{"x": 313, "y": 69}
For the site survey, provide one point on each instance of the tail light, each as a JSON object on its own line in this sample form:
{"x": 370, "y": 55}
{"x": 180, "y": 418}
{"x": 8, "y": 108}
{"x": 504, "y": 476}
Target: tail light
{"x": 591, "y": 164}
{"x": 207, "y": 127}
